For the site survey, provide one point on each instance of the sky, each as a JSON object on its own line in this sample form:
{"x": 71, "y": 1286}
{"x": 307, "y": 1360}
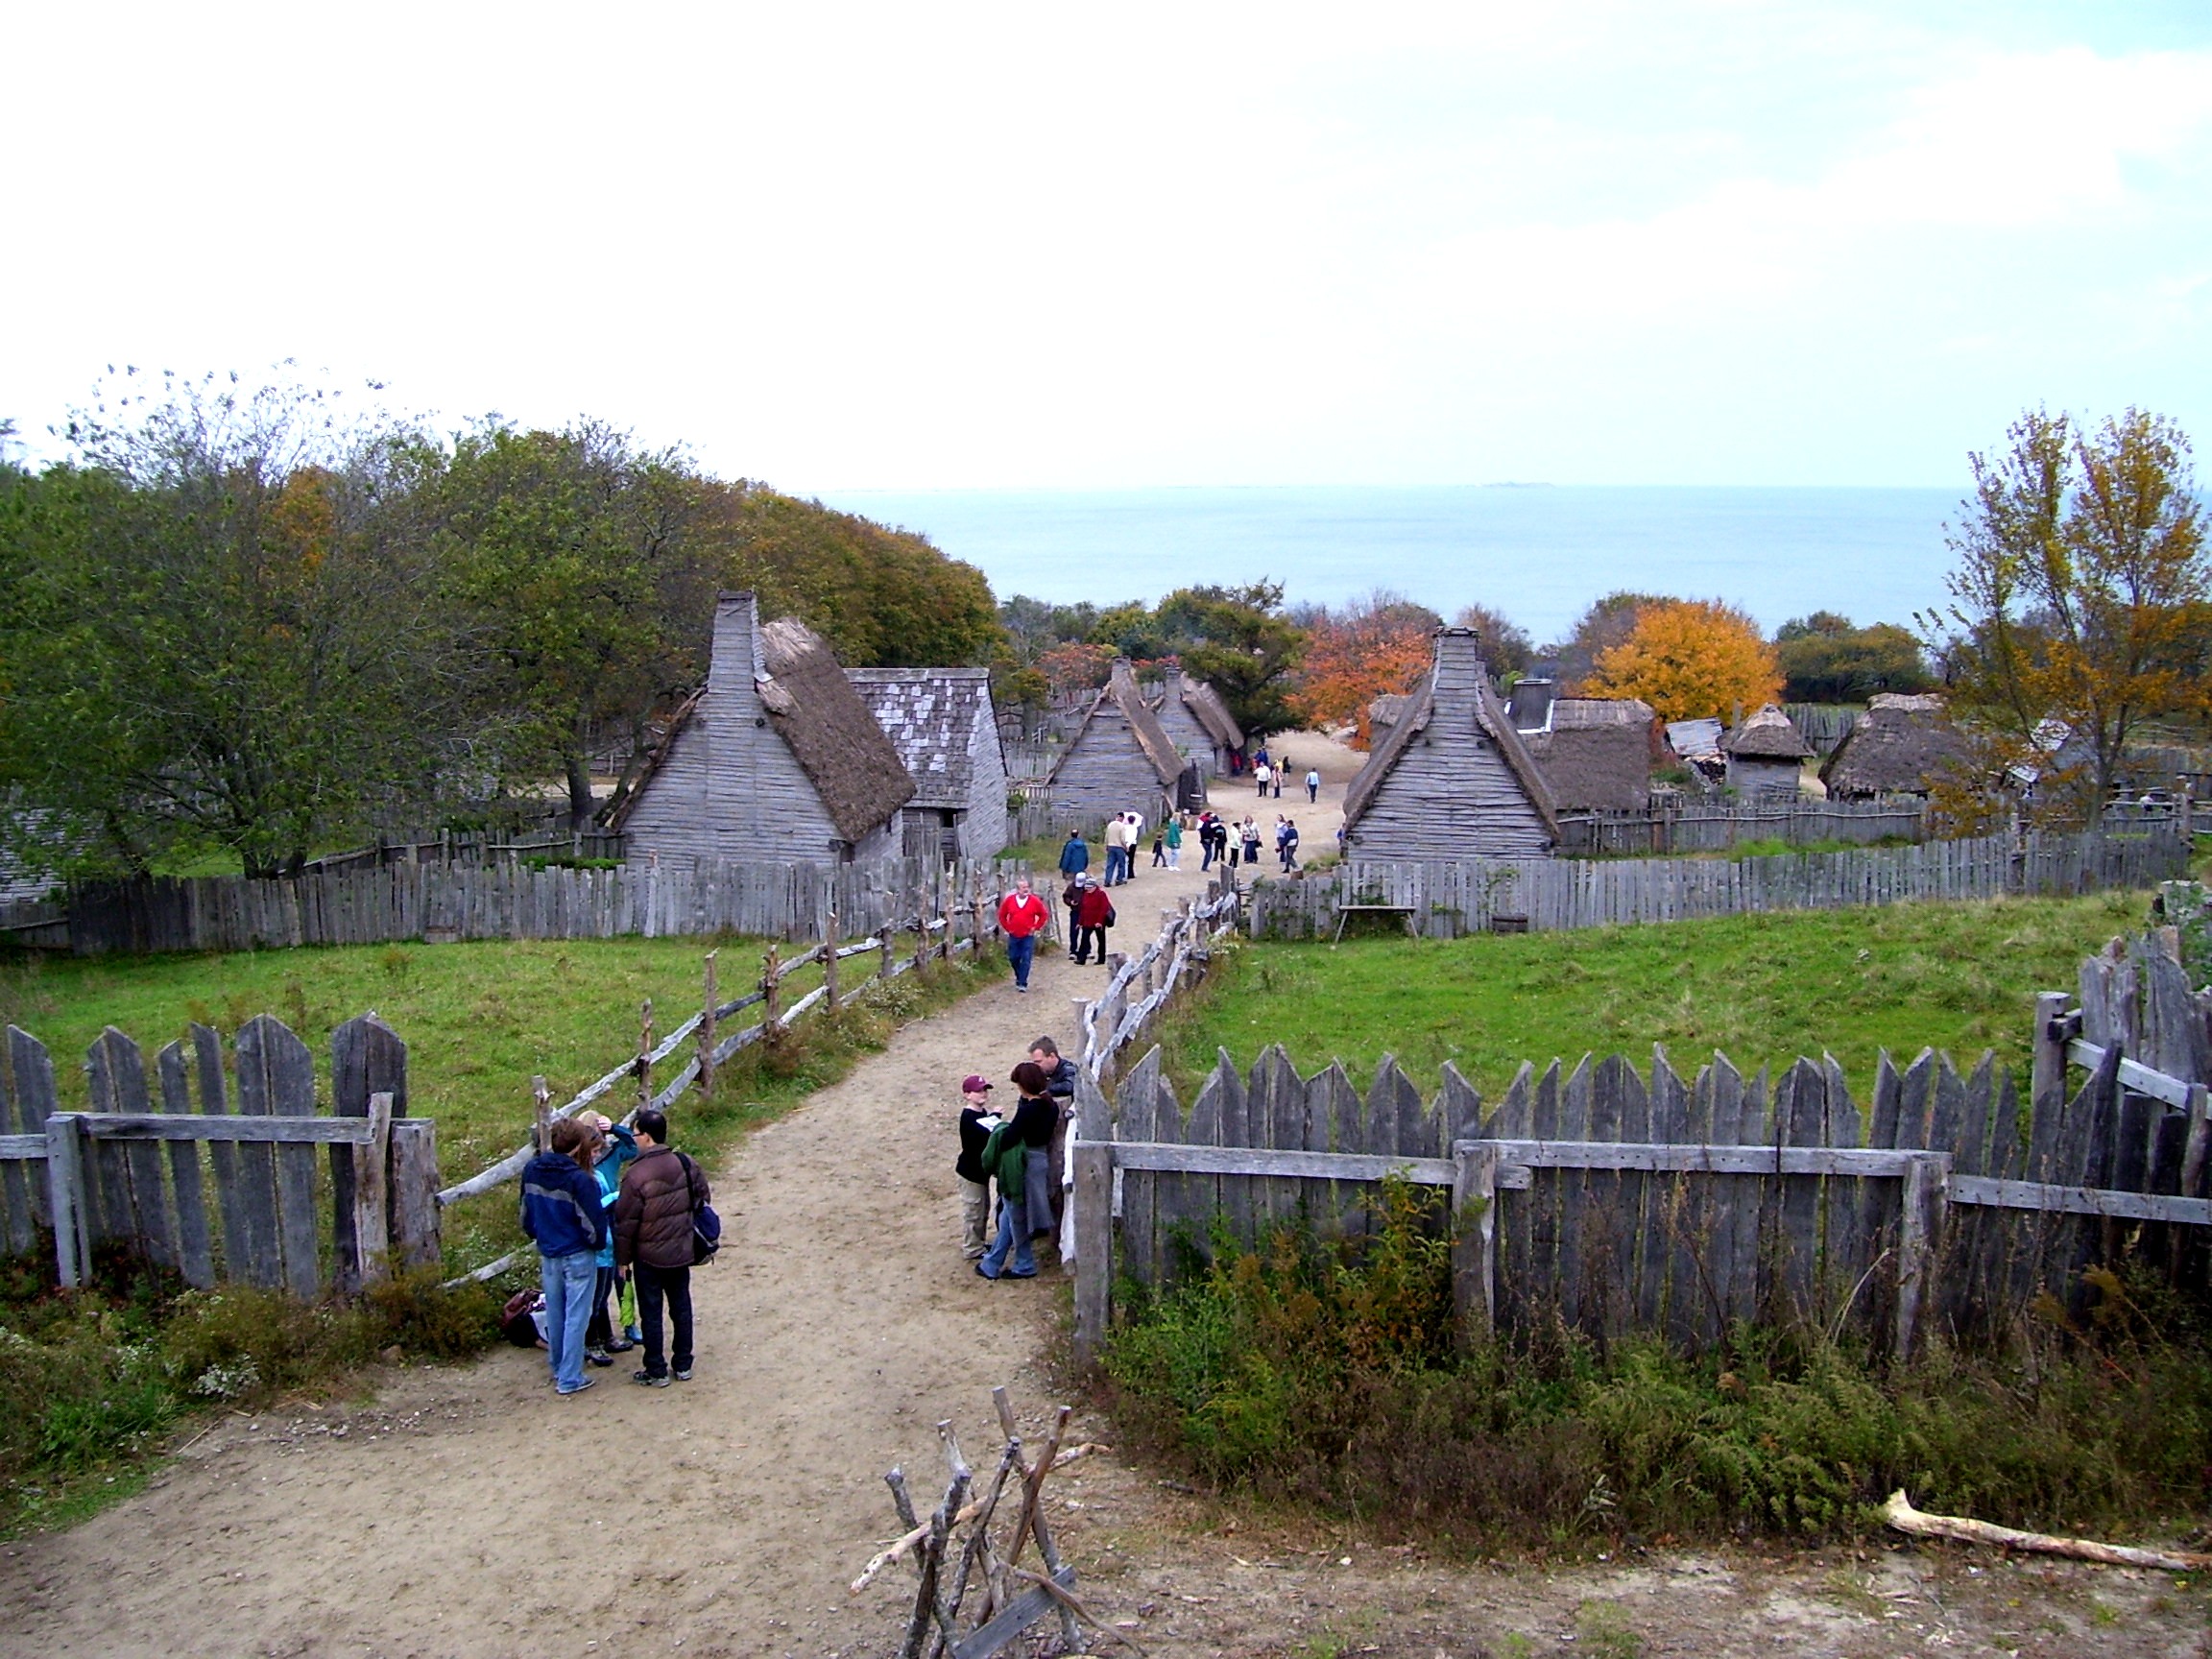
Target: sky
{"x": 1014, "y": 247}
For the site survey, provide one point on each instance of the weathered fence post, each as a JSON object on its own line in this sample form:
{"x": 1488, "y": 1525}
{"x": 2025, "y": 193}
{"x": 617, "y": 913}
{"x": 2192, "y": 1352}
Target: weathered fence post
{"x": 830, "y": 995}
{"x": 416, "y": 1241}
{"x": 1474, "y": 1241}
{"x": 707, "y": 1032}
{"x": 645, "y": 1053}
{"x": 541, "y": 1120}
{"x": 889, "y": 937}
{"x": 371, "y": 1207}
{"x": 2047, "y": 1069}
{"x": 771, "y": 995}
{"x": 65, "y": 1199}
{"x": 1920, "y": 1229}
{"x": 1093, "y": 1218}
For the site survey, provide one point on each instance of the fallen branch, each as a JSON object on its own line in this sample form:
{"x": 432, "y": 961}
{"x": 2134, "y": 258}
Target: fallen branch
{"x": 1900, "y": 1514}
{"x": 968, "y": 1512}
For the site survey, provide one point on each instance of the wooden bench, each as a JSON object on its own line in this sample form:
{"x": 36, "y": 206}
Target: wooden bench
{"x": 1345, "y": 913}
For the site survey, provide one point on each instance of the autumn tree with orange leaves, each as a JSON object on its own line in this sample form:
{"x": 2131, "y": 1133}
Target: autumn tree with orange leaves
{"x": 1691, "y": 659}
{"x": 1375, "y": 645}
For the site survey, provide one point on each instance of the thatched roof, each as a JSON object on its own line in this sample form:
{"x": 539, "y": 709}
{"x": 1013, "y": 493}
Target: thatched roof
{"x": 1490, "y": 719}
{"x": 843, "y": 752}
{"x": 1204, "y": 703}
{"x": 1902, "y": 745}
{"x": 1120, "y": 690}
{"x": 1597, "y": 752}
{"x": 1383, "y": 713}
{"x": 929, "y": 715}
{"x": 1767, "y": 735}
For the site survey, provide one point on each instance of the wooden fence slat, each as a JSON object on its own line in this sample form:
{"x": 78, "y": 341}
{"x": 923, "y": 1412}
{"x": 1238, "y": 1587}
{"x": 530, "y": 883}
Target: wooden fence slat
{"x": 195, "y": 1247}
{"x": 367, "y": 1058}
{"x": 19, "y": 1179}
{"x": 1137, "y": 1117}
{"x": 277, "y": 1078}
{"x": 132, "y": 1194}
{"x": 1800, "y": 1120}
{"x": 1574, "y": 1190}
{"x": 235, "y": 1208}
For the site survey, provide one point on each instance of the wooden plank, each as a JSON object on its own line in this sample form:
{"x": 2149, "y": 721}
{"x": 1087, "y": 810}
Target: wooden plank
{"x": 142, "y": 1128}
{"x": 2056, "y": 1199}
{"x": 133, "y": 1192}
{"x": 19, "y": 1183}
{"x": 1136, "y": 1112}
{"x": 274, "y": 1066}
{"x": 1231, "y": 1115}
{"x": 370, "y": 1237}
{"x": 1275, "y": 1117}
{"x": 1263, "y": 1161}
{"x": 416, "y": 1241}
{"x": 1573, "y": 1187}
{"x": 1473, "y": 1242}
{"x": 1024, "y": 1610}
{"x": 1612, "y": 1251}
{"x": 1844, "y": 1257}
{"x": 1199, "y": 1197}
{"x": 1667, "y": 1300}
{"x": 367, "y": 1058}
{"x": 67, "y": 1189}
{"x": 2142, "y": 1079}
{"x": 222, "y": 1157}
{"x": 195, "y": 1246}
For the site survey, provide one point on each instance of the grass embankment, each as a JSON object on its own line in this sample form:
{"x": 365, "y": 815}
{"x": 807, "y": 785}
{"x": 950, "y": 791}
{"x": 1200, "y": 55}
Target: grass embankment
{"x": 1763, "y": 989}
{"x": 92, "y": 1385}
{"x": 1325, "y": 1377}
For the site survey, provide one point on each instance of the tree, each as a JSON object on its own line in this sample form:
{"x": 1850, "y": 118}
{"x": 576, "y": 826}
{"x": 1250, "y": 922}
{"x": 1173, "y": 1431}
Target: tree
{"x": 1241, "y": 644}
{"x": 1606, "y": 624}
{"x": 1505, "y": 643}
{"x": 1691, "y": 659}
{"x": 2081, "y": 589}
{"x": 1379, "y": 645}
{"x": 1825, "y": 659}
{"x": 220, "y": 631}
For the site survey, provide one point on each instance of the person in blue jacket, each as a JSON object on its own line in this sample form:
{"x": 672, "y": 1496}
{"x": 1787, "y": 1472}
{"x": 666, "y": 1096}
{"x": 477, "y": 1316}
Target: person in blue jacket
{"x": 562, "y": 1216}
{"x": 614, "y": 1148}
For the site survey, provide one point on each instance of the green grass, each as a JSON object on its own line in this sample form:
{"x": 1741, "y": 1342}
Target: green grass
{"x": 1763, "y": 989}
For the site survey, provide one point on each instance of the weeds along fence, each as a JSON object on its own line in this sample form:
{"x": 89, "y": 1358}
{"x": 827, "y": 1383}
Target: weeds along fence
{"x": 1617, "y": 1201}
{"x": 445, "y": 904}
{"x": 176, "y": 1176}
{"x": 1035, "y": 817}
{"x": 1516, "y": 895}
{"x": 1701, "y": 828}
{"x": 956, "y": 922}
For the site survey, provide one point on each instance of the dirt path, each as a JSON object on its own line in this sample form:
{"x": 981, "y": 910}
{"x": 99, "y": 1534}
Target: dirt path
{"x": 468, "y": 1512}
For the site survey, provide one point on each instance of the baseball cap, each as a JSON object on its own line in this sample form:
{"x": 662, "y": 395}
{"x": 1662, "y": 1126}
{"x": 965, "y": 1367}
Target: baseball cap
{"x": 973, "y": 1084}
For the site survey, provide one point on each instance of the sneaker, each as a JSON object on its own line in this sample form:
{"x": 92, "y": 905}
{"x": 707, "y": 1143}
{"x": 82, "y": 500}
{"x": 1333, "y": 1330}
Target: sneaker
{"x": 1021, "y": 988}
{"x": 588, "y": 1382}
{"x": 684, "y": 1375}
{"x": 598, "y": 1356}
{"x": 980, "y": 1274}
{"x": 621, "y": 1345}
{"x": 646, "y": 1379}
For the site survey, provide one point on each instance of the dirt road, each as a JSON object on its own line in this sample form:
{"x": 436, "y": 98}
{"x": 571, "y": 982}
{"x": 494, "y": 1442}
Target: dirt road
{"x": 468, "y": 1512}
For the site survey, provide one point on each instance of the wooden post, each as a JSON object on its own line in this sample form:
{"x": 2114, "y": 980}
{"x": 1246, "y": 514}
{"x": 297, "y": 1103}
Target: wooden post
{"x": 829, "y": 960}
{"x": 65, "y": 1201}
{"x": 922, "y": 922}
{"x": 706, "y": 1032}
{"x": 2047, "y": 1070}
{"x": 889, "y": 937}
{"x": 1920, "y": 1230}
{"x": 372, "y": 1204}
{"x": 541, "y": 1131}
{"x": 416, "y": 1241}
{"x": 1094, "y": 1256}
{"x": 1474, "y": 1241}
{"x": 645, "y": 1053}
{"x": 770, "y": 994}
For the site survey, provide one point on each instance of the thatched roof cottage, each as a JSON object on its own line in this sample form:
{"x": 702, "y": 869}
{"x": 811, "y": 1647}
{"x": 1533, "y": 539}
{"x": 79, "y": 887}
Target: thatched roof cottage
{"x": 941, "y": 722}
{"x": 1597, "y": 752}
{"x": 1765, "y": 754}
{"x": 776, "y": 760}
{"x": 1118, "y": 758}
{"x": 1901, "y": 745}
{"x": 1198, "y": 723}
{"x": 1453, "y": 779}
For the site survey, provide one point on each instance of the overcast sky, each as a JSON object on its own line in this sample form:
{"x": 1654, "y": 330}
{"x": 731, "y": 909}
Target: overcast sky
{"x": 851, "y": 247}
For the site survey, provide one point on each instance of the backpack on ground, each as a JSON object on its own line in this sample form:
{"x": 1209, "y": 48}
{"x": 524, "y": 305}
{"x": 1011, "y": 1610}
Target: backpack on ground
{"x": 705, "y": 1224}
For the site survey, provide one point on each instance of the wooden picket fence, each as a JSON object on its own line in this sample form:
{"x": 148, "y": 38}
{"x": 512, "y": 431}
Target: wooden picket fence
{"x": 439, "y": 903}
{"x": 1622, "y": 1202}
{"x": 130, "y": 1173}
{"x": 1447, "y": 901}
{"x": 1701, "y": 827}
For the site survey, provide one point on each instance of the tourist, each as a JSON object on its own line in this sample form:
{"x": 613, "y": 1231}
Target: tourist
{"x": 1074, "y": 856}
{"x": 1071, "y": 896}
{"x": 1116, "y": 849}
{"x": 1260, "y": 773}
{"x": 1094, "y": 915}
{"x": 1174, "y": 836}
{"x": 1022, "y": 916}
{"x": 976, "y": 1121}
{"x": 653, "y": 1226}
{"x": 613, "y": 1148}
{"x": 1286, "y": 841}
{"x": 1282, "y": 770}
{"x": 1251, "y": 840}
{"x": 561, "y": 1213}
{"x": 1312, "y": 785}
{"x": 1006, "y": 1157}
{"x": 1060, "y": 1083}
{"x": 1160, "y": 847}
{"x": 1205, "y": 842}
{"x": 1135, "y": 840}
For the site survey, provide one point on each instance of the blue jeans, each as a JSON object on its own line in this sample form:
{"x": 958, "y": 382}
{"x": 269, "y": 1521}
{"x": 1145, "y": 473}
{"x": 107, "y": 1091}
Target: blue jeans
{"x": 1117, "y": 866}
{"x": 1021, "y": 952}
{"x": 1014, "y": 1236}
{"x": 569, "y": 1282}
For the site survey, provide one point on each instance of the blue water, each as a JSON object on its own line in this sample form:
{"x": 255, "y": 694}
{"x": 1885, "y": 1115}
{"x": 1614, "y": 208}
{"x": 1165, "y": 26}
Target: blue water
{"x": 1539, "y": 554}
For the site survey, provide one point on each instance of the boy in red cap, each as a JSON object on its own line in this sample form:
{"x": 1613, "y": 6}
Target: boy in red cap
{"x": 976, "y": 1121}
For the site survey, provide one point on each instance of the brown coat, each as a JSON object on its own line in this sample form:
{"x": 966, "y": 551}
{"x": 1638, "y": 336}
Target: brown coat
{"x": 653, "y": 1212}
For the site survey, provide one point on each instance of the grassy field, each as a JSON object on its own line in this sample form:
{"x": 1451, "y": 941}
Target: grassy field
{"x": 1763, "y": 988}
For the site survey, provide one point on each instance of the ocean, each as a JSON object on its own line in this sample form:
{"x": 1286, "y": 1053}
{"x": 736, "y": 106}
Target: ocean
{"x": 1538, "y": 553}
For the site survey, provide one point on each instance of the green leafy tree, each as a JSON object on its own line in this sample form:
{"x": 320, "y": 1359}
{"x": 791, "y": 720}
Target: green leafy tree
{"x": 1505, "y": 643}
{"x": 1826, "y": 660}
{"x": 1245, "y": 647}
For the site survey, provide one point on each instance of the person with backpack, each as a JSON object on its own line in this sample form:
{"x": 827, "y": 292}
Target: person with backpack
{"x": 1006, "y": 1158}
{"x": 562, "y": 1212}
{"x": 655, "y": 1227}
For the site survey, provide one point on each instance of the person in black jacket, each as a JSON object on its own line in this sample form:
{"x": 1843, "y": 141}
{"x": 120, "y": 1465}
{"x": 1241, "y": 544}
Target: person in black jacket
{"x": 661, "y": 1192}
{"x": 1045, "y": 1169}
{"x": 976, "y": 1121}
{"x": 1009, "y": 1255}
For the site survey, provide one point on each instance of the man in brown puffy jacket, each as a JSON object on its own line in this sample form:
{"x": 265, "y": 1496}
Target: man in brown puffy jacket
{"x": 653, "y": 1236}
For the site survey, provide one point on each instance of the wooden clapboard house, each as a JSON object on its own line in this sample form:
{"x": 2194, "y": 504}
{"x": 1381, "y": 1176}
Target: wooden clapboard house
{"x": 1119, "y": 760}
{"x": 1198, "y": 723}
{"x": 774, "y": 760}
{"x": 1453, "y": 778}
{"x": 941, "y": 722}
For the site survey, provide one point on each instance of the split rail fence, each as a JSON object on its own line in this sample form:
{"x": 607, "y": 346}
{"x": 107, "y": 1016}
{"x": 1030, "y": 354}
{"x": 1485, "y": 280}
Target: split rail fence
{"x": 1139, "y": 987}
{"x": 1623, "y": 1202}
{"x": 439, "y": 903}
{"x": 131, "y": 1174}
{"x": 1445, "y": 901}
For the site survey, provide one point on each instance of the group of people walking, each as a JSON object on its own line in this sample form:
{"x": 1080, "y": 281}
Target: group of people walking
{"x": 1268, "y": 773}
{"x": 1232, "y": 843}
{"x": 1012, "y": 1151}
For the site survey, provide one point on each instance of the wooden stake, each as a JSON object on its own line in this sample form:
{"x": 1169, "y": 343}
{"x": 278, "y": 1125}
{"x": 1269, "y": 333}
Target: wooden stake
{"x": 1900, "y": 1514}
{"x": 772, "y": 993}
{"x": 372, "y": 1205}
{"x": 542, "y": 1131}
{"x": 707, "y": 1032}
{"x": 646, "y": 1054}
{"x": 829, "y": 935}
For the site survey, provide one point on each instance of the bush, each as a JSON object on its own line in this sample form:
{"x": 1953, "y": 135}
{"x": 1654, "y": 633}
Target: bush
{"x": 1323, "y": 1375}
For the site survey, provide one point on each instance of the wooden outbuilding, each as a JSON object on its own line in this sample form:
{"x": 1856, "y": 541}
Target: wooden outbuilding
{"x": 1198, "y": 723}
{"x": 941, "y": 722}
{"x": 1901, "y": 745}
{"x": 1453, "y": 779}
{"x": 1766, "y": 753}
{"x": 1597, "y": 752}
{"x": 1119, "y": 759}
{"x": 774, "y": 760}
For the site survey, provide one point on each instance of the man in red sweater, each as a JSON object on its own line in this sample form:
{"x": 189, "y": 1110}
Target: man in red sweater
{"x": 1022, "y": 916}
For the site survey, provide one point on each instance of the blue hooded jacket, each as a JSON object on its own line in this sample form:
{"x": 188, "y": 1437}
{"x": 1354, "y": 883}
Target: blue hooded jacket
{"x": 560, "y": 1207}
{"x": 621, "y": 1149}
{"x": 1075, "y": 858}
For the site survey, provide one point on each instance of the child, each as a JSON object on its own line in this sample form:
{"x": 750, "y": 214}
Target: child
{"x": 976, "y": 1121}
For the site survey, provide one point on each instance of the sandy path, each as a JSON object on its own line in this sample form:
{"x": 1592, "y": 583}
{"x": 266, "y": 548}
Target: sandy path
{"x": 467, "y": 1511}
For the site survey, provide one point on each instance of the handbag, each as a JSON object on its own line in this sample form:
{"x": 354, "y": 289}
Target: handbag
{"x": 705, "y": 1224}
